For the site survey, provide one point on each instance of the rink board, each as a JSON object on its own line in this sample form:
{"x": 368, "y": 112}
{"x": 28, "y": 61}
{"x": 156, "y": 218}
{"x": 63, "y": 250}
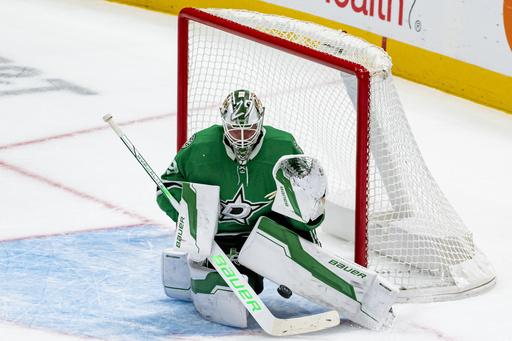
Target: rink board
{"x": 106, "y": 284}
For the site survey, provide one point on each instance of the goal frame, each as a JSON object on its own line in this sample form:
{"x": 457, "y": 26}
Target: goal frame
{"x": 363, "y": 104}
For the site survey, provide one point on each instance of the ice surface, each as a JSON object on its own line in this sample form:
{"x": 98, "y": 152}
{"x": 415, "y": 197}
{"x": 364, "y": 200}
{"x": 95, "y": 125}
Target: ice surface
{"x": 78, "y": 212}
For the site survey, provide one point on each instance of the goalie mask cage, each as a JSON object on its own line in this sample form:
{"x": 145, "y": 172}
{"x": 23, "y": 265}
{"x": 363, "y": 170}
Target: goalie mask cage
{"x": 334, "y": 92}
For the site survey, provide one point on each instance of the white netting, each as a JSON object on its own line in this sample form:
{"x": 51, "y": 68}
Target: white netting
{"x": 415, "y": 238}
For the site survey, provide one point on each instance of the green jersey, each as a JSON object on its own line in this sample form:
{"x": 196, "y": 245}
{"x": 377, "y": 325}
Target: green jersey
{"x": 246, "y": 191}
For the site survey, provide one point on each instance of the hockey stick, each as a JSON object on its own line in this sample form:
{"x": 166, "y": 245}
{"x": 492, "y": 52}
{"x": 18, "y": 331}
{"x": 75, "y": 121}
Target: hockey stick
{"x": 268, "y": 322}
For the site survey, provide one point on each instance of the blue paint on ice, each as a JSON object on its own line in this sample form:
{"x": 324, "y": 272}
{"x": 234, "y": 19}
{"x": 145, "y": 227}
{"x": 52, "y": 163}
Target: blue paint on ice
{"x": 107, "y": 284}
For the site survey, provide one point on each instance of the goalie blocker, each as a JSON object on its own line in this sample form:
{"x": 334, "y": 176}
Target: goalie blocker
{"x": 357, "y": 293}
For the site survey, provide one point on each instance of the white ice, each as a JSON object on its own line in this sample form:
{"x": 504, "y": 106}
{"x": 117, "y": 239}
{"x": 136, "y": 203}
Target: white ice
{"x": 63, "y": 170}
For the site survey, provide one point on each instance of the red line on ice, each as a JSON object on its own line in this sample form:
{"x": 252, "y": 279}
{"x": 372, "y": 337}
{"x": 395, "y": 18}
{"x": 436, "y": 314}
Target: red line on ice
{"x": 439, "y": 335}
{"x": 74, "y": 192}
{"x": 81, "y": 132}
{"x": 143, "y": 220}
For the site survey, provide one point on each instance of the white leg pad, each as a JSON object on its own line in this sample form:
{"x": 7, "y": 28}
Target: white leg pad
{"x": 176, "y": 274}
{"x": 213, "y": 298}
{"x": 357, "y": 293}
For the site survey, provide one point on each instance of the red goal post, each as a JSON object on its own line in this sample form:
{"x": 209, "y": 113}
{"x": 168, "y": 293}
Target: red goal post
{"x": 237, "y": 29}
{"x": 335, "y": 94}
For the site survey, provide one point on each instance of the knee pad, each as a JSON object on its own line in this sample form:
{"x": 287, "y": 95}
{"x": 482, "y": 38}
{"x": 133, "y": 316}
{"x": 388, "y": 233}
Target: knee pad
{"x": 213, "y": 298}
{"x": 176, "y": 274}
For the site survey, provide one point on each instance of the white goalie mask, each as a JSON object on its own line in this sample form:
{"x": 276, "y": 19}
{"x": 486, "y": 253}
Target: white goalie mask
{"x": 242, "y": 118}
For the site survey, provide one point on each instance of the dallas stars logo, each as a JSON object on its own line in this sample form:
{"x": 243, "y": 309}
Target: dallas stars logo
{"x": 239, "y": 209}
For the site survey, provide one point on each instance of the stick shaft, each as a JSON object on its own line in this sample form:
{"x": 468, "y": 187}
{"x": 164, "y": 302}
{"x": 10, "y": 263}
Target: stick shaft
{"x": 156, "y": 179}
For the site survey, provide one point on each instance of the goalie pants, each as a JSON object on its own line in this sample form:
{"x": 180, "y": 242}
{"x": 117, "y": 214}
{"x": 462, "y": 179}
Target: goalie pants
{"x": 231, "y": 245}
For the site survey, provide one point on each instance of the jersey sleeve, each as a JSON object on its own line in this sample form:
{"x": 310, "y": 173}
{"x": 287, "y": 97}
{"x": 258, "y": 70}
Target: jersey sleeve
{"x": 172, "y": 179}
{"x": 186, "y": 166}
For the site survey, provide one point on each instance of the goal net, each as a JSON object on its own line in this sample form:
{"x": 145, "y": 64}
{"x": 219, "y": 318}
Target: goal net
{"x": 334, "y": 92}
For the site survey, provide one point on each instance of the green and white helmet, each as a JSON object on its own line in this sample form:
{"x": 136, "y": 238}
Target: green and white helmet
{"x": 242, "y": 118}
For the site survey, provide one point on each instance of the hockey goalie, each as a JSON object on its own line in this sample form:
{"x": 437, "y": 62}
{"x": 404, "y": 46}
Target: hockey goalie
{"x": 249, "y": 190}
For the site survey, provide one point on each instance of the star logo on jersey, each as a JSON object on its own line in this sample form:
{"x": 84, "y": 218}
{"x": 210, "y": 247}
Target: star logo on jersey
{"x": 239, "y": 209}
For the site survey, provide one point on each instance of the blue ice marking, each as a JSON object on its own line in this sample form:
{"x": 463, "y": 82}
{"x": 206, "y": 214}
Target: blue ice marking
{"x": 104, "y": 284}
{"x": 107, "y": 284}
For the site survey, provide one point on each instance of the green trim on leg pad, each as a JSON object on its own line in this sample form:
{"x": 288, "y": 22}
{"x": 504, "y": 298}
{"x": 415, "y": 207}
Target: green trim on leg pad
{"x": 212, "y": 282}
{"x": 302, "y": 258}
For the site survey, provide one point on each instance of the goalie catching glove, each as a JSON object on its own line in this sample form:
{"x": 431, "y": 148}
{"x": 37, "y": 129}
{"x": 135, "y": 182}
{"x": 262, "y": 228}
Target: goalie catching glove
{"x": 301, "y": 187}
